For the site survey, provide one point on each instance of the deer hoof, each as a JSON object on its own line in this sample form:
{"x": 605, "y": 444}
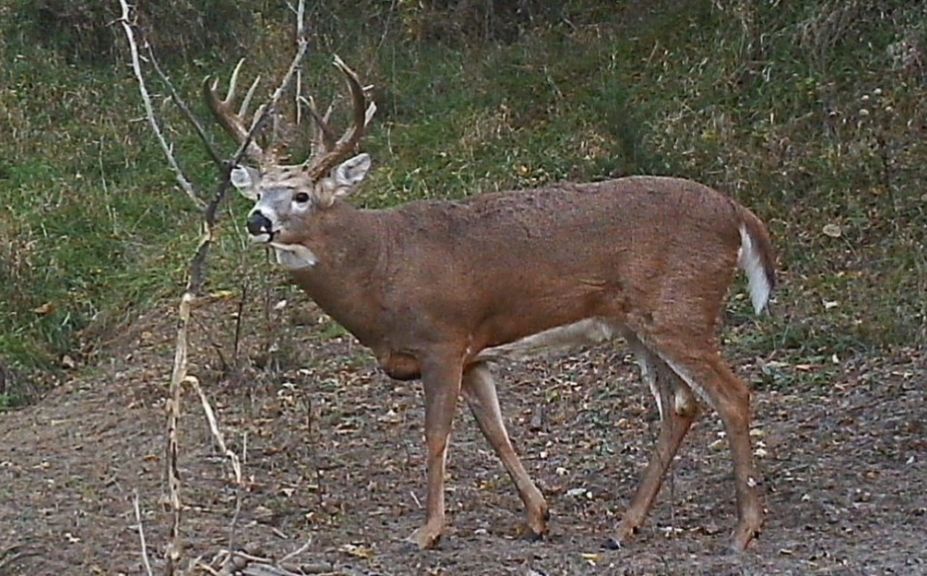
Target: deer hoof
{"x": 534, "y": 535}
{"x": 425, "y": 538}
{"x": 536, "y": 527}
{"x": 626, "y": 531}
{"x": 743, "y": 535}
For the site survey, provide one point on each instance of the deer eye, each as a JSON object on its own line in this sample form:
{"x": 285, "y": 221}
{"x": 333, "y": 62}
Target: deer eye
{"x": 301, "y": 197}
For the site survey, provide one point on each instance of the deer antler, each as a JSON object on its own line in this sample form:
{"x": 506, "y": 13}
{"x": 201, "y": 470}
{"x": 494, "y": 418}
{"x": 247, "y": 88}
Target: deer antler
{"x": 235, "y": 123}
{"x": 322, "y": 138}
{"x": 328, "y": 151}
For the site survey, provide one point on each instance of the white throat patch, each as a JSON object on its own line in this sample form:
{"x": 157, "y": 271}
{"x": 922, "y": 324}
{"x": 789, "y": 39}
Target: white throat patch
{"x": 294, "y": 256}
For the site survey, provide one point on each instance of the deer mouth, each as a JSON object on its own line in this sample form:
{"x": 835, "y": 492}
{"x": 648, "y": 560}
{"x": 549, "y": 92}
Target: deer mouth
{"x": 262, "y": 238}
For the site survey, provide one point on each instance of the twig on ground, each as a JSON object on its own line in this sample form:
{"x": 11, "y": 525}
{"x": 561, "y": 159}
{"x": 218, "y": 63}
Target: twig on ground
{"x": 267, "y": 570}
{"x": 13, "y": 553}
{"x": 312, "y": 448}
{"x": 251, "y": 557}
{"x": 214, "y": 427}
{"x": 141, "y": 534}
{"x": 207, "y": 568}
{"x": 220, "y": 441}
{"x": 296, "y": 552}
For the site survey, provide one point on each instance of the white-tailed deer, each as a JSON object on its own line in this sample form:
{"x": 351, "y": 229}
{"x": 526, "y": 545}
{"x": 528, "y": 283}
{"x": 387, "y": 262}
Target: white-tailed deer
{"x": 440, "y": 290}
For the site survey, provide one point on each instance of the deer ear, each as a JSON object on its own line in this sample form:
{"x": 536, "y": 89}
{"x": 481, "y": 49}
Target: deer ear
{"x": 350, "y": 173}
{"x": 246, "y": 181}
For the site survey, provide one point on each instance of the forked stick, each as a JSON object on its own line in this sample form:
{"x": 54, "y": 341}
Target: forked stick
{"x": 197, "y": 268}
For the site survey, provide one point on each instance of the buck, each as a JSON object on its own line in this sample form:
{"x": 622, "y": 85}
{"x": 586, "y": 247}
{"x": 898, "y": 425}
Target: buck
{"x": 440, "y": 290}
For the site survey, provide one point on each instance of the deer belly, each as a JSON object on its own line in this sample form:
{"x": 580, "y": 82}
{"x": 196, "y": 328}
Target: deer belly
{"x": 559, "y": 340}
{"x": 400, "y": 366}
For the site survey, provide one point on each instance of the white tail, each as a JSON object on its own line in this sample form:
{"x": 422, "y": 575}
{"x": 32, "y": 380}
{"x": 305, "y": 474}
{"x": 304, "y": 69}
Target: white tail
{"x": 440, "y": 290}
{"x": 750, "y": 260}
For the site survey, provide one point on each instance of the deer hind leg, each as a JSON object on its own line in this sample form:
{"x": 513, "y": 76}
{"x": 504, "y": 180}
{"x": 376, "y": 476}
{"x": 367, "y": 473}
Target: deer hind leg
{"x": 678, "y": 410}
{"x": 480, "y": 393}
{"x": 709, "y": 374}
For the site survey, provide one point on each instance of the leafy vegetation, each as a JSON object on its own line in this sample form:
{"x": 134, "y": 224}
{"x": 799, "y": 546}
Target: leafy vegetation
{"x": 812, "y": 112}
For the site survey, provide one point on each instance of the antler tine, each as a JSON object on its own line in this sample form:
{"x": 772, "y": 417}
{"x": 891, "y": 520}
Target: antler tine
{"x": 330, "y": 136}
{"x": 368, "y": 116}
{"x": 360, "y": 104}
{"x": 243, "y": 110}
{"x": 323, "y": 139}
{"x": 235, "y": 124}
{"x": 233, "y": 82}
{"x": 318, "y": 165}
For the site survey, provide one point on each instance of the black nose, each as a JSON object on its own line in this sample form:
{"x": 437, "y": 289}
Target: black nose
{"x": 258, "y": 224}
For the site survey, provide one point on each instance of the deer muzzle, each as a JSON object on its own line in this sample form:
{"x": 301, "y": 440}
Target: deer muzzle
{"x": 258, "y": 225}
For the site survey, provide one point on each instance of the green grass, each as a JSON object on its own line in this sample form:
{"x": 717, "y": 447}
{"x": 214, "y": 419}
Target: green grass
{"x": 799, "y": 110}
{"x": 84, "y": 202}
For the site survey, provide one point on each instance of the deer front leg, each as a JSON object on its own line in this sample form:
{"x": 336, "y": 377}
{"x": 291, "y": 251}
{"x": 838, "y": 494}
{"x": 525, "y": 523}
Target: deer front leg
{"x": 441, "y": 380}
{"x": 480, "y": 392}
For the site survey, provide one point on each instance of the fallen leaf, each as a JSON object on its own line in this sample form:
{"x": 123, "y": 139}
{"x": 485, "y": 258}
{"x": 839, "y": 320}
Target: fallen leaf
{"x": 222, "y": 294}
{"x": 44, "y": 309}
{"x": 832, "y": 230}
{"x": 357, "y": 551}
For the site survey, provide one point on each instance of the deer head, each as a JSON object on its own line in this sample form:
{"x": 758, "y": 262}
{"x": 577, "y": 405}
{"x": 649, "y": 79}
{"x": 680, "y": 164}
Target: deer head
{"x": 288, "y": 196}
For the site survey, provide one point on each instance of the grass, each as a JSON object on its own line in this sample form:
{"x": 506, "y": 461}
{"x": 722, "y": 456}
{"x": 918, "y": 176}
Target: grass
{"x": 84, "y": 202}
{"x": 807, "y": 112}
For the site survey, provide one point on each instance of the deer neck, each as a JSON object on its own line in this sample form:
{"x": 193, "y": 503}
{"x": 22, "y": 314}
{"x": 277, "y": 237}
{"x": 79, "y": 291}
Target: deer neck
{"x": 347, "y": 244}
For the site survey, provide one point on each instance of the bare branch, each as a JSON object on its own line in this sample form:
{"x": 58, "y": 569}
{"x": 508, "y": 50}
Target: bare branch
{"x": 12, "y": 554}
{"x": 214, "y": 428}
{"x": 296, "y": 552}
{"x": 197, "y": 272}
{"x": 178, "y": 374}
{"x": 188, "y": 114}
{"x": 141, "y": 535}
{"x": 206, "y": 568}
{"x": 300, "y": 34}
{"x": 181, "y": 178}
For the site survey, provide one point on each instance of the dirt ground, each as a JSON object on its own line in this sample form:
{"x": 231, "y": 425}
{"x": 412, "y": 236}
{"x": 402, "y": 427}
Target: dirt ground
{"x": 333, "y": 461}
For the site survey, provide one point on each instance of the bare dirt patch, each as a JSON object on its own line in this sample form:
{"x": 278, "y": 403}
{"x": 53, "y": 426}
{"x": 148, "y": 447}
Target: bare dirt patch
{"x": 334, "y": 457}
